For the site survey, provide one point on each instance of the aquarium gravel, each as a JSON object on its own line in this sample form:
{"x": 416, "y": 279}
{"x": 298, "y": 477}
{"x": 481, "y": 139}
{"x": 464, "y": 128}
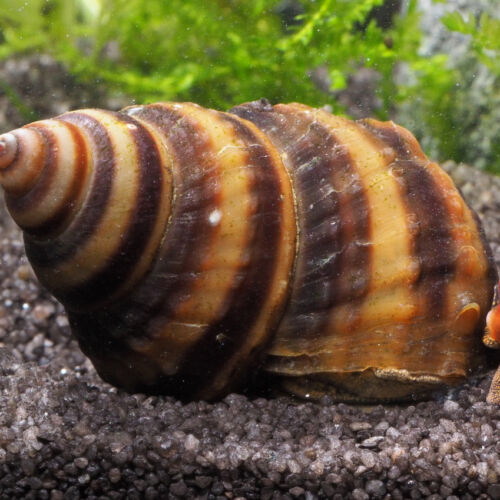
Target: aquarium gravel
{"x": 64, "y": 434}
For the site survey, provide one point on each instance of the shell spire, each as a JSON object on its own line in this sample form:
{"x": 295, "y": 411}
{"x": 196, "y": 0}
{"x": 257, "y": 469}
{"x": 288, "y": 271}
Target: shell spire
{"x": 8, "y": 149}
{"x": 43, "y": 168}
{"x": 91, "y": 194}
{"x": 22, "y": 154}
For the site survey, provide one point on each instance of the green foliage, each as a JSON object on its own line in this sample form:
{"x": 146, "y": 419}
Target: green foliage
{"x": 216, "y": 53}
{"x": 223, "y": 52}
{"x": 426, "y": 89}
{"x": 453, "y": 106}
{"x": 485, "y": 36}
{"x": 39, "y": 24}
{"x": 484, "y": 33}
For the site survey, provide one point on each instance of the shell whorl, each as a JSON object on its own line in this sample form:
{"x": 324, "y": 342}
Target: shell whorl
{"x": 385, "y": 212}
{"x": 186, "y": 243}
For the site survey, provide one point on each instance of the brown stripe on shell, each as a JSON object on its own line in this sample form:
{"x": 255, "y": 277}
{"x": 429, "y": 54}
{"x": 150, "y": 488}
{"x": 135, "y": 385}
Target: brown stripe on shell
{"x": 196, "y": 196}
{"x": 53, "y": 253}
{"x": 333, "y": 268}
{"x": 62, "y": 214}
{"x": 138, "y": 228}
{"x": 433, "y": 243}
{"x": 73, "y": 199}
{"x": 254, "y": 279}
{"x": 174, "y": 273}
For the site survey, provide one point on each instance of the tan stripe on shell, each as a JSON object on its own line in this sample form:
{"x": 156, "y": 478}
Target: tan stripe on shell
{"x": 343, "y": 343}
{"x": 469, "y": 292}
{"x": 453, "y": 283}
{"x": 258, "y": 299}
{"x": 216, "y": 263}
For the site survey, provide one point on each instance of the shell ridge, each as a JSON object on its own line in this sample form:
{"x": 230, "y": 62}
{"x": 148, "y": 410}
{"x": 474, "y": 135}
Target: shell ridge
{"x": 167, "y": 168}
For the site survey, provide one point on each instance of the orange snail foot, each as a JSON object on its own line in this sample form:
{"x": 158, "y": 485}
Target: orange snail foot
{"x": 492, "y": 335}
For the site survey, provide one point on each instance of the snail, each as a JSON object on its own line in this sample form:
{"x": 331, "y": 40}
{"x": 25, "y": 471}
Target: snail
{"x": 193, "y": 248}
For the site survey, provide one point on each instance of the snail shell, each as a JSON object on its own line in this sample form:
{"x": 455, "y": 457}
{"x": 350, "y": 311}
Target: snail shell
{"x": 190, "y": 247}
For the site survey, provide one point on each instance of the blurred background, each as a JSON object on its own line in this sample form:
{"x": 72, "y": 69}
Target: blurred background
{"x": 433, "y": 66}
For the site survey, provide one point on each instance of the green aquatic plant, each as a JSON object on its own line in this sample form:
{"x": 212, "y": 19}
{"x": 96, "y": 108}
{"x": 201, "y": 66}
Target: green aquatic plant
{"x": 454, "y": 107}
{"x": 45, "y": 25}
{"x": 225, "y": 52}
{"x": 484, "y": 32}
{"x": 215, "y": 53}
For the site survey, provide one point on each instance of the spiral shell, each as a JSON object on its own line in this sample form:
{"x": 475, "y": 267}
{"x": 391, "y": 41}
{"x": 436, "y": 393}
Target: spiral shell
{"x": 190, "y": 247}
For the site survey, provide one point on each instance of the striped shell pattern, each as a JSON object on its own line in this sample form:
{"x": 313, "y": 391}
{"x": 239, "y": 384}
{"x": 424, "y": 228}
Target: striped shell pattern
{"x": 192, "y": 247}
